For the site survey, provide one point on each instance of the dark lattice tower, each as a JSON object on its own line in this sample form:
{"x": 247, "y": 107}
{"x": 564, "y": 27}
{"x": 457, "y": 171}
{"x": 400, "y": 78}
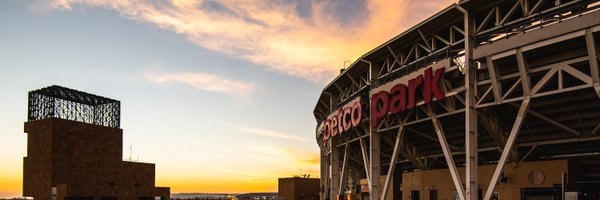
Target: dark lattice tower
{"x": 60, "y": 102}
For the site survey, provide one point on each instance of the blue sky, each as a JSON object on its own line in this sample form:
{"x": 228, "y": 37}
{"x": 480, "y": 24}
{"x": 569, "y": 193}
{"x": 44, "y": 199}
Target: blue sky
{"x": 219, "y": 94}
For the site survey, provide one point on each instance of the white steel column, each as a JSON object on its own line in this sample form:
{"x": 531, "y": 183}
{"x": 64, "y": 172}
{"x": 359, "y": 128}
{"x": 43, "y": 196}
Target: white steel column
{"x": 514, "y": 132}
{"x": 323, "y": 176}
{"x": 375, "y": 164}
{"x": 335, "y": 168}
{"x": 472, "y": 185}
{"x": 593, "y": 57}
{"x": 327, "y": 188}
{"x": 374, "y": 147}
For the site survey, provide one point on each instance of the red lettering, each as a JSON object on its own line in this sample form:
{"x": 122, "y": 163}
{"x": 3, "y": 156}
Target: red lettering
{"x": 334, "y": 125}
{"x": 347, "y": 118}
{"x": 340, "y": 115}
{"x": 356, "y": 113}
{"x": 398, "y": 100}
{"x": 376, "y": 112}
{"x": 342, "y": 120}
{"x": 413, "y": 84}
{"x": 431, "y": 85}
{"x": 326, "y": 130}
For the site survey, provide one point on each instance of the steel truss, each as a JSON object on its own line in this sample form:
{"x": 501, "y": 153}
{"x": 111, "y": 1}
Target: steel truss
{"x": 60, "y": 102}
{"x": 516, "y": 55}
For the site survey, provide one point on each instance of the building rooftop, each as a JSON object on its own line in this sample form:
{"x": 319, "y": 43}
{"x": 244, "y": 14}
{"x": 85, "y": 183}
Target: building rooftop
{"x": 65, "y": 103}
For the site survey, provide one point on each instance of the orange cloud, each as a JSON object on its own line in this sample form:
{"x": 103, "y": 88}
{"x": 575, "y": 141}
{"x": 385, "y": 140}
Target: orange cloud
{"x": 271, "y": 32}
{"x": 312, "y": 161}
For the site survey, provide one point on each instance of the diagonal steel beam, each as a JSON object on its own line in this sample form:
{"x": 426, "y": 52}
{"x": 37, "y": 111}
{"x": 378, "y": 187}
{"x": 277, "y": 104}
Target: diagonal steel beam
{"x": 595, "y": 131}
{"x": 352, "y": 79}
{"x": 510, "y": 90}
{"x": 524, "y": 7}
{"x": 523, "y": 72}
{"x": 512, "y": 138}
{"x": 492, "y": 123}
{"x": 577, "y": 74}
{"x": 429, "y": 137}
{"x": 344, "y": 169}
{"x": 396, "y": 58}
{"x": 425, "y": 40}
{"x": 551, "y": 121}
{"x": 447, "y": 153}
{"x": 529, "y": 152}
{"x": 510, "y": 12}
{"x": 409, "y": 151}
{"x": 363, "y": 150}
{"x": 544, "y": 81}
{"x": 486, "y": 19}
{"x": 392, "y": 165}
{"x": 536, "y": 7}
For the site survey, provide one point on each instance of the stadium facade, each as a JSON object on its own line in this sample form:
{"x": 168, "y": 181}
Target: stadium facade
{"x": 483, "y": 100}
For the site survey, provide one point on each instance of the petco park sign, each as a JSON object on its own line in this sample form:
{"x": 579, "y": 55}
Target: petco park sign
{"x": 340, "y": 121}
{"x": 397, "y": 96}
{"x": 393, "y": 97}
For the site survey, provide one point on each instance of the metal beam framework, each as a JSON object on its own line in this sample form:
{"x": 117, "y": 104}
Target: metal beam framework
{"x": 508, "y": 147}
{"x": 592, "y": 51}
{"x": 392, "y": 166}
{"x": 458, "y": 184}
{"x": 64, "y": 103}
{"x": 495, "y": 58}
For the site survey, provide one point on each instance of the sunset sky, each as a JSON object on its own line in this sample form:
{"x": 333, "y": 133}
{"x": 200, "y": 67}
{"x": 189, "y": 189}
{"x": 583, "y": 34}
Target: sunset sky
{"x": 218, "y": 93}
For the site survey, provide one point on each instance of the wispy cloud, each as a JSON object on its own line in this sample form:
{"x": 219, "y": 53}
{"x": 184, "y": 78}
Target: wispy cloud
{"x": 312, "y": 44}
{"x": 205, "y": 81}
{"x": 270, "y": 133}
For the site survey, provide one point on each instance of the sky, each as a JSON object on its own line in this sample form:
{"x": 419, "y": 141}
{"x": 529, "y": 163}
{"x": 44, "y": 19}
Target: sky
{"x": 218, "y": 93}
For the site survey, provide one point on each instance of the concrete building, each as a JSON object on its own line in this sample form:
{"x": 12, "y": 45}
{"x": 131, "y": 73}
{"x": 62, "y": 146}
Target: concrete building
{"x": 75, "y": 149}
{"x": 298, "y": 188}
{"x": 437, "y": 184}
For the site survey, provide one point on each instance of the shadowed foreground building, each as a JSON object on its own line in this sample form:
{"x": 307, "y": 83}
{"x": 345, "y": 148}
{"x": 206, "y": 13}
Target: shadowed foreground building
{"x": 74, "y": 150}
{"x": 297, "y": 188}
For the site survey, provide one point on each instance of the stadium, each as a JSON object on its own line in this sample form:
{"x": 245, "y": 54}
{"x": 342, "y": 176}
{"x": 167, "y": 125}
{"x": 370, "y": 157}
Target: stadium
{"x": 483, "y": 100}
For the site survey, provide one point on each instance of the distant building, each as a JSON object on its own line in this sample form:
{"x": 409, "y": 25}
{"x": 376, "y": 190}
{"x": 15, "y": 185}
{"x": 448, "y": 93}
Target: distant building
{"x": 257, "y": 196}
{"x": 74, "y": 150}
{"x": 297, "y": 188}
{"x": 202, "y": 196}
